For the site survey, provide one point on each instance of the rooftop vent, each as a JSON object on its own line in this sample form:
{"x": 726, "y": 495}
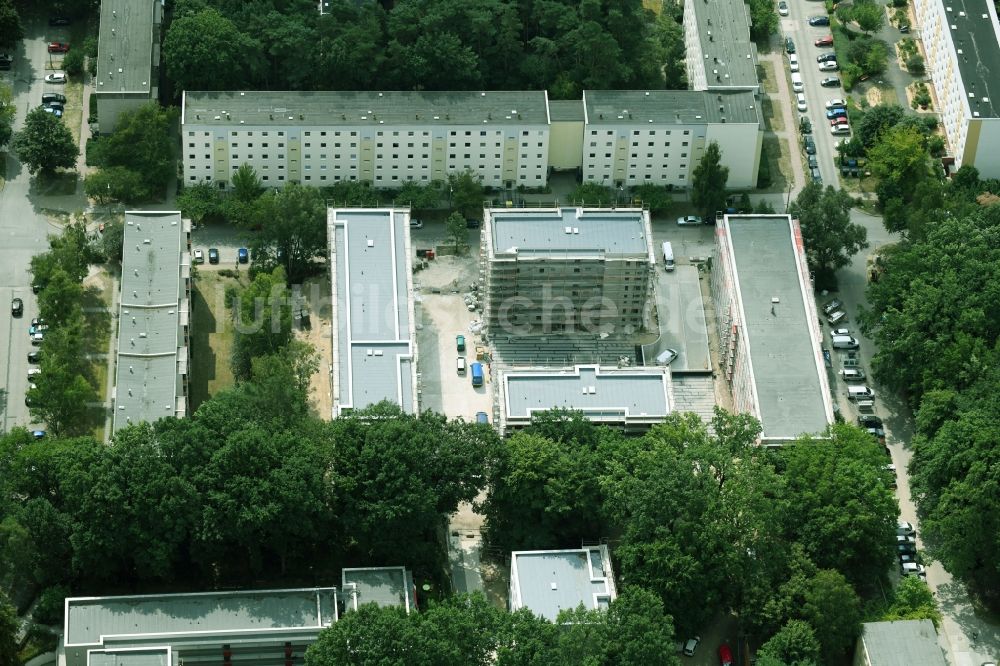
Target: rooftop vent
{"x": 371, "y": 242}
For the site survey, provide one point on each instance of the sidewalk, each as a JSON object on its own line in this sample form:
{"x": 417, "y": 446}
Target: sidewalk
{"x": 782, "y": 103}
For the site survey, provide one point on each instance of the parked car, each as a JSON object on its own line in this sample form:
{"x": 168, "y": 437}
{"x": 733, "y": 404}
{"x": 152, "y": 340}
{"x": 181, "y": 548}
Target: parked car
{"x": 815, "y": 174}
{"x": 34, "y": 374}
{"x": 782, "y": 8}
{"x": 905, "y": 29}
{"x": 830, "y": 82}
{"x": 830, "y": 306}
{"x": 57, "y": 112}
{"x": 58, "y": 20}
{"x": 38, "y": 434}
{"x": 56, "y": 77}
{"x": 828, "y": 66}
{"x": 460, "y": 343}
{"x": 58, "y": 47}
{"x": 905, "y": 539}
{"x": 853, "y": 375}
{"x": 837, "y": 114}
{"x": 789, "y": 45}
{"x": 835, "y": 102}
{"x": 800, "y": 102}
{"x": 906, "y": 549}
{"x": 812, "y": 161}
{"x": 37, "y": 328}
{"x": 819, "y": 21}
{"x": 905, "y": 528}
{"x": 416, "y": 224}
{"x": 37, "y": 338}
{"x": 34, "y": 356}
{"x": 199, "y": 257}
{"x": 213, "y": 255}
{"x": 826, "y": 57}
{"x": 877, "y": 434}
{"x": 688, "y": 219}
{"x": 913, "y": 569}
{"x": 869, "y": 421}
{"x": 725, "y": 655}
{"x": 793, "y": 62}
{"x": 666, "y": 357}
{"x": 53, "y": 98}
{"x": 842, "y": 128}
{"x": 16, "y": 307}
{"x": 824, "y": 41}
{"x": 460, "y": 365}
{"x": 810, "y": 145}
{"x": 691, "y": 645}
{"x": 243, "y": 255}
{"x": 836, "y": 317}
{"x": 863, "y": 392}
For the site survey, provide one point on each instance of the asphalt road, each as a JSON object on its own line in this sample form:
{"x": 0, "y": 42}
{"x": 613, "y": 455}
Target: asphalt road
{"x": 796, "y": 25}
{"x": 23, "y": 230}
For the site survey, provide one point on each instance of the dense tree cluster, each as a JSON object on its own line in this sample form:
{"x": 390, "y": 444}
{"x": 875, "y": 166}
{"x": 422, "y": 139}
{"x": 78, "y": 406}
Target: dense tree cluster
{"x": 709, "y": 522}
{"x": 469, "y": 631}
{"x": 934, "y": 314}
{"x": 137, "y": 160}
{"x": 251, "y": 487}
{"x": 829, "y": 236}
{"x": 557, "y": 45}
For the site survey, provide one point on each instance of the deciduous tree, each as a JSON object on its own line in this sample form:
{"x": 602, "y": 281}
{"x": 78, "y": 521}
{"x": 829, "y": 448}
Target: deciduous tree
{"x": 292, "y": 234}
{"x": 204, "y": 50}
{"x": 795, "y": 643}
{"x": 45, "y": 144}
{"x": 11, "y": 30}
{"x": 708, "y": 182}
{"x": 263, "y": 321}
{"x": 829, "y": 236}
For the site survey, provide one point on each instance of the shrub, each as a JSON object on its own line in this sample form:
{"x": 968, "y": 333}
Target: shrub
{"x": 935, "y": 145}
{"x": 73, "y": 62}
{"x": 49, "y": 609}
{"x": 915, "y": 64}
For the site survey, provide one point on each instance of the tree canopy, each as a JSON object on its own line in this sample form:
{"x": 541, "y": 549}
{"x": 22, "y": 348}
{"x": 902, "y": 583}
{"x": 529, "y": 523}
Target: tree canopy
{"x": 829, "y": 236}
{"x": 136, "y": 161}
{"x": 708, "y": 182}
{"x": 45, "y": 143}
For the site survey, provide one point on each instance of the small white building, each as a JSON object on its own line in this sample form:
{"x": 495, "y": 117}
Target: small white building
{"x": 549, "y": 581}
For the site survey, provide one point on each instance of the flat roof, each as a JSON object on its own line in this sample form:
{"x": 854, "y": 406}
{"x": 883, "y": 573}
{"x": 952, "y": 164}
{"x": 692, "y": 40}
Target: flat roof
{"x": 373, "y": 328}
{"x": 353, "y": 108}
{"x": 785, "y": 357}
{"x": 902, "y": 643}
{"x": 727, "y": 53}
{"x": 154, "y": 303}
{"x": 681, "y": 107}
{"x": 91, "y": 620}
{"x": 977, "y": 36}
{"x": 549, "y": 581}
{"x": 125, "y": 46}
{"x": 557, "y": 231}
{"x": 157, "y": 656}
{"x": 566, "y": 110}
{"x": 385, "y": 586}
{"x": 600, "y": 393}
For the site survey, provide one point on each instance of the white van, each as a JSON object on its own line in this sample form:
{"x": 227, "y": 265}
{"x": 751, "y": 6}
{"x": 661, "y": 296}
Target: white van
{"x": 844, "y": 342}
{"x": 860, "y": 393}
{"x": 668, "y": 256}
{"x": 797, "y": 83}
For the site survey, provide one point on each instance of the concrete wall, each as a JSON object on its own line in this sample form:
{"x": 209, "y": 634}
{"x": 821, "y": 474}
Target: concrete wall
{"x": 566, "y": 144}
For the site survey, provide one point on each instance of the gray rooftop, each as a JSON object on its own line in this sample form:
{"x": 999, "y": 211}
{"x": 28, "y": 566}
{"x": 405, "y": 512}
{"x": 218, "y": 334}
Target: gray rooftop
{"x": 610, "y": 393}
{"x": 566, "y": 110}
{"x": 352, "y": 108}
{"x": 591, "y": 231}
{"x": 724, "y": 32}
{"x": 153, "y": 306}
{"x": 143, "y": 657}
{"x": 89, "y": 620}
{"x": 385, "y": 586}
{"x": 976, "y": 36}
{"x": 125, "y": 49}
{"x": 374, "y": 312}
{"x": 784, "y": 356}
{"x": 549, "y": 581}
{"x": 902, "y": 643}
{"x": 681, "y": 107}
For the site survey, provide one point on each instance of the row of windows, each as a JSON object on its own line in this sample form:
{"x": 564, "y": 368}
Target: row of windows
{"x": 281, "y": 178}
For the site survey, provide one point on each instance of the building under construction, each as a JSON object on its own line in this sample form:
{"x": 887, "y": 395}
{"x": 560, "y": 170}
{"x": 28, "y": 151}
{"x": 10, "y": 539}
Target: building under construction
{"x": 584, "y": 271}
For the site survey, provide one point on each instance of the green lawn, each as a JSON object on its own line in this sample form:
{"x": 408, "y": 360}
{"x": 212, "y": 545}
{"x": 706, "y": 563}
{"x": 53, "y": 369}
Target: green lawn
{"x": 211, "y": 337}
{"x": 777, "y": 154}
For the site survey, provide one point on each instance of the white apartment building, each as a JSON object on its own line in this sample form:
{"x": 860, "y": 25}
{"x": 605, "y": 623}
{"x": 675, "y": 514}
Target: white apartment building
{"x": 507, "y": 138}
{"x": 659, "y": 136}
{"x": 386, "y": 138}
{"x": 962, "y": 42}
{"x": 128, "y": 60}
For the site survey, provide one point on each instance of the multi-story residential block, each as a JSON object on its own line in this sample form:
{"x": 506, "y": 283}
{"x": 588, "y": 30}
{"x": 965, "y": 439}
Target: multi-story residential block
{"x": 374, "y": 334}
{"x": 128, "y": 58}
{"x": 566, "y": 270}
{"x": 633, "y": 399}
{"x": 508, "y": 139}
{"x": 899, "y": 643}
{"x": 640, "y": 137}
{"x": 549, "y": 581}
{"x": 154, "y": 318}
{"x": 244, "y": 628}
{"x": 385, "y": 138}
{"x": 720, "y": 53}
{"x": 962, "y": 42}
{"x": 770, "y": 342}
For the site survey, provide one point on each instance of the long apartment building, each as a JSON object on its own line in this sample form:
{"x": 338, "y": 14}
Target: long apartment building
{"x": 720, "y": 54}
{"x": 507, "y": 138}
{"x": 154, "y": 326}
{"x": 962, "y": 42}
{"x": 770, "y": 341}
{"x": 128, "y": 58}
{"x": 566, "y": 270}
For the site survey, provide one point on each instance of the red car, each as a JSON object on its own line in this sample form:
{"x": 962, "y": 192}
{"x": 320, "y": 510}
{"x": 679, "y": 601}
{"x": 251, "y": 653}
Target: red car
{"x": 839, "y": 120}
{"x": 824, "y": 41}
{"x": 58, "y": 47}
{"x": 725, "y": 655}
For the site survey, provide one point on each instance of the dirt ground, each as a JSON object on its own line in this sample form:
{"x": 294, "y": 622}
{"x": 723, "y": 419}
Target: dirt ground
{"x": 320, "y": 335}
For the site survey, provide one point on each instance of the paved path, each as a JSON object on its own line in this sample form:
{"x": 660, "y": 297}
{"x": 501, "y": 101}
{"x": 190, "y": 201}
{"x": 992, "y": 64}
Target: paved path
{"x": 781, "y": 103}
